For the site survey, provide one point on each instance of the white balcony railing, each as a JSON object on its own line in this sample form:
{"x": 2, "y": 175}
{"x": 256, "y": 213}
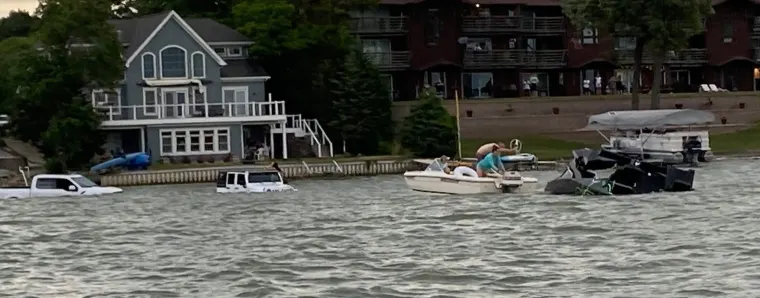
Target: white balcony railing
{"x": 190, "y": 110}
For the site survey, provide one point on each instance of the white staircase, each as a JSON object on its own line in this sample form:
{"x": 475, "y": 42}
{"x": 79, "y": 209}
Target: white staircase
{"x": 311, "y": 129}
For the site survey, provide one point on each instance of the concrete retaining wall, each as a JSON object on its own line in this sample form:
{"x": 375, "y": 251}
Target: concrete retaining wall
{"x": 291, "y": 171}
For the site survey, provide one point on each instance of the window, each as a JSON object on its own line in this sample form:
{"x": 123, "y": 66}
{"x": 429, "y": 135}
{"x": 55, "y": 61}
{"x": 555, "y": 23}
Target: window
{"x": 728, "y": 32}
{"x": 199, "y": 65}
{"x": 259, "y": 177}
{"x": 241, "y": 179}
{"x": 107, "y": 100}
{"x": 432, "y": 27}
{"x": 436, "y": 80}
{"x": 54, "y": 183}
{"x": 220, "y": 51}
{"x": 625, "y": 43}
{"x": 590, "y": 36}
{"x": 148, "y": 66}
{"x": 479, "y": 44}
{"x": 377, "y": 50}
{"x": 235, "y": 52}
{"x": 150, "y": 101}
{"x": 194, "y": 141}
{"x": 173, "y": 62}
{"x": 235, "y": 100}
{"x": 477, "y": 85}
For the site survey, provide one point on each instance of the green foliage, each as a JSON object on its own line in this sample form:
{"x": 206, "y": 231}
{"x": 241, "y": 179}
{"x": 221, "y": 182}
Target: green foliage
{"x": 12, "y": 51}
{"x": 16, "y": 24}
{"x": 362, "y": 106}
{"x": 429, "y": 130}
{"x": 51, "y": 107}
{"x": 302, "y": 45}
{"x": 662, "y": 25}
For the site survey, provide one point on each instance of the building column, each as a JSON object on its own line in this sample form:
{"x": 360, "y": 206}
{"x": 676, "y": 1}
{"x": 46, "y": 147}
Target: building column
{"x": 271, "y": 140}
{"x": 142, "y": 139}
{"x": 284, "y": 142}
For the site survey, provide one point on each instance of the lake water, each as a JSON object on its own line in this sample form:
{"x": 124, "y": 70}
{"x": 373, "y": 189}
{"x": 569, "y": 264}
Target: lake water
{"x": 371, "y": 237}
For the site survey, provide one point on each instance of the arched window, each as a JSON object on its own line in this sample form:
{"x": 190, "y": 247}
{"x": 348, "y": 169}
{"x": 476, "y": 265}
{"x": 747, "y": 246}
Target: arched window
{"x": 173, "y": 62}
{"x": 149, "y": 66}
{"x": 199, "y": 65}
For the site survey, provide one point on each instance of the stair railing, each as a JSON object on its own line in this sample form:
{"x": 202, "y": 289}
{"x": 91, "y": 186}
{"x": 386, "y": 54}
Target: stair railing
{"x": 313, "y": 138}
{"x": 322, "y": 134}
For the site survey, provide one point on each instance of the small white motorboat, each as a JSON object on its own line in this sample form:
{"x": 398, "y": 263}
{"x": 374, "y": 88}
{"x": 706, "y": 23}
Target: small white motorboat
{"x": 465, "y": 180}
{"x": 251, "y": 181}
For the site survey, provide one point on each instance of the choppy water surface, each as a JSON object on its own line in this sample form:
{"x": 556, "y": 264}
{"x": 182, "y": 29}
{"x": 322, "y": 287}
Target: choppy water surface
{"x": 373, "y": 238}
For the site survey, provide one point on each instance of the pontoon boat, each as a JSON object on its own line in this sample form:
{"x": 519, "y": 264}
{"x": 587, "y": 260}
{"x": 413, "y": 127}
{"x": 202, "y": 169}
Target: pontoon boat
{"x": 663, "y": 135}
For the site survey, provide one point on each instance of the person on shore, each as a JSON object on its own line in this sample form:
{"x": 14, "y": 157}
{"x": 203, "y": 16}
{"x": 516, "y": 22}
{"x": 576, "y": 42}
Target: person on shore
{"x": 490, "y": 163}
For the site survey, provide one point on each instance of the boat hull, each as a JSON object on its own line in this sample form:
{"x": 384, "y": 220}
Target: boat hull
{"x": 450, "y": 184}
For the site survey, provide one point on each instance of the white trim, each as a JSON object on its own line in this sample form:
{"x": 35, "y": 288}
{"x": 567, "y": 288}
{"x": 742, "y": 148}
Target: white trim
{"x": 117, "y": 108}
{"x": 245, "y": 79}
{"x": 230, "y": 54}
{"x": 242, "y": 142}
{"x": 155, "y": 101}
{"x": 218, "y": 132}
{"x": 187, "y": 29}
{"x": 161, "y": 61}
{"x": 119, "y": 124}
{"x": 230, "y": 43}
{"x": 142, "y": 61}
{"x": 192, "y": 65}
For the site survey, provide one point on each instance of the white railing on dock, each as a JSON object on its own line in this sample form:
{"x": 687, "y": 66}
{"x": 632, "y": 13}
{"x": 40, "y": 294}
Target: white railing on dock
{"x": 307, "y": 167}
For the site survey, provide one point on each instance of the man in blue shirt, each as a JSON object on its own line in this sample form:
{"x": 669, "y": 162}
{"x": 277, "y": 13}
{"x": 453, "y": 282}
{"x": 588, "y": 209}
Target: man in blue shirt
{"x": 491, "y": 162}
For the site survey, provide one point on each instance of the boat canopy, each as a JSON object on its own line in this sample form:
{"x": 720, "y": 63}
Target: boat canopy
{"x": 436, "y": 166}
{"x": 650, "y": 119}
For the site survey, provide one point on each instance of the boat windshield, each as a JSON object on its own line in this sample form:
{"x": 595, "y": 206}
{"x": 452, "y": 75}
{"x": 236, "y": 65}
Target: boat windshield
{"x": 262, "y": 177}
{"x": 84, "y": 182}
{"x": 436, "y": 166}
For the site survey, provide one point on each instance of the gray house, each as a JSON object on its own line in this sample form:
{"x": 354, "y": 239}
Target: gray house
{"x": 190, "y": 89}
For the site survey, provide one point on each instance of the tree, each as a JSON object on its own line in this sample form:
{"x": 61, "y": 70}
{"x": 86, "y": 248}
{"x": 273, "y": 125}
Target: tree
{"x": 16, "y": 24}
{"x": 647, "y": 21}
{"x": 11, "y": 54}
{"x": 76, "y": 50}
{"x": 429, "y": 130}
{"x": 302, "y": 45}
{"x": 220, "y": 10}
{"x": 362, "y": 106}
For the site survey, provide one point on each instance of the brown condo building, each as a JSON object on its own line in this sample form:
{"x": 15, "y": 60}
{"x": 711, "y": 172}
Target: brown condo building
{"x": 515, "y": 48}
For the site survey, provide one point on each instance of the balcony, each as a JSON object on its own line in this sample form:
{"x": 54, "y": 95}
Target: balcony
{"x": 205, "y": 113}
{"x": 542, "y": 59}
{"x": 756, "y": 27}
{"x": 393, "y": 60}
{"x": 687, "y": 57}
{"x": 379, "y": 25}
{"x": 514, "y": 24}
{"x": 756, "y": 54}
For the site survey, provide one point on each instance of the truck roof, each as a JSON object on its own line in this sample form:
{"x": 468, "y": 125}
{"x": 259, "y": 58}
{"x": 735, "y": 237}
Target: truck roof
{"x": 58, "y": 176}
{"x": 252, "y": 171}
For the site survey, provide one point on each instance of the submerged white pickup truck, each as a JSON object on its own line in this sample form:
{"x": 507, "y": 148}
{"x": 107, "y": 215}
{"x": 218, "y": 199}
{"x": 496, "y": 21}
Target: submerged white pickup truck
{"x": 49, "y": 185}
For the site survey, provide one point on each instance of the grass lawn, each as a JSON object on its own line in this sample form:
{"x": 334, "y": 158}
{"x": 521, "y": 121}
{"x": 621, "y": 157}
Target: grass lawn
{"x": 743, "y": 141}
{"x": 544, "y": 148}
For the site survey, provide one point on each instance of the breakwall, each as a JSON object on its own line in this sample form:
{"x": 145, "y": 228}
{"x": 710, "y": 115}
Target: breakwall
{"x": 290, "y": 171}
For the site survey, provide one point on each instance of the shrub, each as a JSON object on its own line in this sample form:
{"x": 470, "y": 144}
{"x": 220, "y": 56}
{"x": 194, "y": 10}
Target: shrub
{"x": 429, "y": 130}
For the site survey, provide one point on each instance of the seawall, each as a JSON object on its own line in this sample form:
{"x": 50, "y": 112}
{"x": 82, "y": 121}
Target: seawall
{"x": 291, "y": 171}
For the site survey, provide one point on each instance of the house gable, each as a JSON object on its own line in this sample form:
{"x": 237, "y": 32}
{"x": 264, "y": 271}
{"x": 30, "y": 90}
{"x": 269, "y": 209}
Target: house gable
{"x": 173, "y": 16}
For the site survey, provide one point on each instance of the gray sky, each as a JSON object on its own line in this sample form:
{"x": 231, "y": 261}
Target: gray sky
{"x": 7, "y": 5}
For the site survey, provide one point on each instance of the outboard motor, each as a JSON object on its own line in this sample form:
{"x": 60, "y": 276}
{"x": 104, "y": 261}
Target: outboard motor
{"x": 691, "y": 149}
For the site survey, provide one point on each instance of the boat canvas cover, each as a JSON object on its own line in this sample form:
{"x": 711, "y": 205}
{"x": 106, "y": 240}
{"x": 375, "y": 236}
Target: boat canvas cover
{"x": 635, "y": 120}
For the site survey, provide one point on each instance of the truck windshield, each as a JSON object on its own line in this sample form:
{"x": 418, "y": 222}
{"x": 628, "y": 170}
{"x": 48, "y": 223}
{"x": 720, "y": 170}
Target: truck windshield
{"x": 263, "y": 177}
{"x": 84, "y": 182}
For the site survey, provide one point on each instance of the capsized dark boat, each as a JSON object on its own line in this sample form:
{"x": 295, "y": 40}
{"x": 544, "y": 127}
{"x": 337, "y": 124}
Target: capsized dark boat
{"x": 630, "y": 176}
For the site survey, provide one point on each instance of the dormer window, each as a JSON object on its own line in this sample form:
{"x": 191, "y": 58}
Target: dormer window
{"x": 221, "y": 51}
{"x": 236, "y": 52}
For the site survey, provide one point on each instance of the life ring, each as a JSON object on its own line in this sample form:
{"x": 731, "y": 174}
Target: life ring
{"x": 465, "y": 171}
{"x": 516, "y": 144}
